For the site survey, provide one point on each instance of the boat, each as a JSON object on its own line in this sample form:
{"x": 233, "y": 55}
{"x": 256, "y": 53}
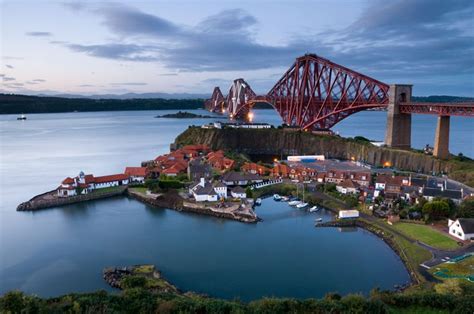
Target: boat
{"x": 276, "y": 197}
{"x": 302, "y": 205}
{"x": 258, "y": 201}
{"x": 294, "y": 203}
{"x": 285, "y": 198}
{"x": 314, "y": 209}
{"x": 318, "y": 220}
{"x": 22, "y": 117}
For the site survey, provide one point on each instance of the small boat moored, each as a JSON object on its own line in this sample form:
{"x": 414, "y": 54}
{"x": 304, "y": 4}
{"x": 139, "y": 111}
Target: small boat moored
{"x": 318, "y": 220}
{"x": 302, "y": 205}
{"x": 285, "y": 198}
{"x": 314, "y": 209}
{"x": 258, "y": 201}
{"x": 277, "y": 197}
{"x": 22, "y": 117}
{"x": 294, "y": 203}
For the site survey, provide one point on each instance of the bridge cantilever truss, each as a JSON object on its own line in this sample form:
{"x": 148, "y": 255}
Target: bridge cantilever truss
{"x": 316, "y": 93}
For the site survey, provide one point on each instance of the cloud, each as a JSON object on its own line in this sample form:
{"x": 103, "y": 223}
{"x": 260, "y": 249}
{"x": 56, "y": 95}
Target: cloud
{"x": 127, "y": 52}
{"x": 8, "y": 79}
{"x": 39, "y": 34}
{"x": 86, "y": 85}
{"x": 168, "y": 74}
{"x": 9, "y": 66}
{"x": 39, "y": 80}
{"x": 394, "y": 41}
{"x": 129, "y": 84}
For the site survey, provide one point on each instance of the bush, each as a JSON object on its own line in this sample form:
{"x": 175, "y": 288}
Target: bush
{"x": 170, "y": 184}
{"x": 129, "y": 282}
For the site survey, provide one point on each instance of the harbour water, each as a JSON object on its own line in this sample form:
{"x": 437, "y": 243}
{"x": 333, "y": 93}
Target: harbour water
{"x": 63, "y": 250}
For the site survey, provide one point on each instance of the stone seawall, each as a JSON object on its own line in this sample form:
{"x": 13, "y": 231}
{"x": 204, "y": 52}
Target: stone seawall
{"x": 173, "y": 201}
{"x": 50, "y": 199}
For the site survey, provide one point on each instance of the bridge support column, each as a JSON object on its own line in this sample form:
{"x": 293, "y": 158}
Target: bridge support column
{"x": 441, "y": 142}
{"x": 398, "y": 132}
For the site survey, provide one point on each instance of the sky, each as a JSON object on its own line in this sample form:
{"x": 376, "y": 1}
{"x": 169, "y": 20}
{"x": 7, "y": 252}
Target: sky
{"x": 103, "y": 47}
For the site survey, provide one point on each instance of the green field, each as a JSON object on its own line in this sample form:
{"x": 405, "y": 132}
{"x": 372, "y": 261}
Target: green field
{"x": 427, "y": 235}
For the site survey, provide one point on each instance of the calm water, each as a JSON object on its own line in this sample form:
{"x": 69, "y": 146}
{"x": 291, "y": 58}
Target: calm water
{"x": 60, "y": 250}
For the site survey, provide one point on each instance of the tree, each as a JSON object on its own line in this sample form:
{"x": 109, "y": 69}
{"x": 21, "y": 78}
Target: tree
{"x": 249, "y": 192}
{"x": 466, "y": 209}
{"x": 435, "y": 210}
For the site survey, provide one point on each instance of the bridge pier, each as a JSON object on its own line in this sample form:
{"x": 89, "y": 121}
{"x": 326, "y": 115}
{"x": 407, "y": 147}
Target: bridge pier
{"x": 398, "y": 132}
{"x": 441, "y": 142}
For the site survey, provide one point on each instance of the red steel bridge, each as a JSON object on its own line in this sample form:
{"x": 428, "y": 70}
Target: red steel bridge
{"x": 316, "y": 93}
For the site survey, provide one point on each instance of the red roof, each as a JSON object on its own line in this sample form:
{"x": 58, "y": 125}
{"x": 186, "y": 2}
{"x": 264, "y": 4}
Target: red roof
{"x": 135, "y": 171}
{"x": 68, "y": 180}
{"x": 111, "y": 178}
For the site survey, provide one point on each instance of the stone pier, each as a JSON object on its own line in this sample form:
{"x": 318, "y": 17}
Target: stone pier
{"x": 441, "y": 142}
{"x": 398, "y": 133}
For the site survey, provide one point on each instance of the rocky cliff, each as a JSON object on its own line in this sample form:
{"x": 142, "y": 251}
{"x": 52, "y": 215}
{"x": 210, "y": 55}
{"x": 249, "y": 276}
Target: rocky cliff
{"x": 278, "y": 142}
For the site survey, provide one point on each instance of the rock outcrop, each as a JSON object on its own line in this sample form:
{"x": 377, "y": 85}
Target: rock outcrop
{"x": 282, "y": 142}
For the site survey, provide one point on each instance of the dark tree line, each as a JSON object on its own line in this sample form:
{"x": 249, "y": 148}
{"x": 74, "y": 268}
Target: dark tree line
{"x": 15, "y": 104}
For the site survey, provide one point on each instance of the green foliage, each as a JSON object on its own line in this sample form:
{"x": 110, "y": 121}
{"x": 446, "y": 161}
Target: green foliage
{"x": 11, "y": 104}
{"x": 249, "y": 192}
{"x": 129, "y": 282}
{"x": 137, "y": 300}
{"x": 170, "y": 184}
{"x": 466, "y": 208}
{"x": 436, "y": 210}
{"x": 330, "y": 187}
{"x": 153, "y": 185}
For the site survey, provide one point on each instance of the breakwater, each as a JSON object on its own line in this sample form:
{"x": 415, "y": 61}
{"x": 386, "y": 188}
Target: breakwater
{"x": 172, "y": 200}
{"x": 50, "y": 199}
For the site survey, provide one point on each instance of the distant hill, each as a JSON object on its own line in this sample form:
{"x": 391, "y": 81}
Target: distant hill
{"x": 15, "y": 104}
{"x": 441, "y": 98}
{"x": 133, "y": 96}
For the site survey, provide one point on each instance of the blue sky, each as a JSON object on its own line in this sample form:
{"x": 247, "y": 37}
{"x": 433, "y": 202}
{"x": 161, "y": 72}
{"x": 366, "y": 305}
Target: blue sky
{"x": 92, "y": 47}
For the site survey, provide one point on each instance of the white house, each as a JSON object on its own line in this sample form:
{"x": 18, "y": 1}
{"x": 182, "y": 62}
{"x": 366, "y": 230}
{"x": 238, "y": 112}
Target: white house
{"x": 71, "y": 186}
{"x": 238, "y": 192}
{"x": 86, "y": 183}
{"x": 347, "y": 187}
{"x": 136, "y": 174}
{"x": 206, "y": 191}
{"x": 462, "y": 228}
{"x": 110, "y": 181}
{"x": 221, "y": 189}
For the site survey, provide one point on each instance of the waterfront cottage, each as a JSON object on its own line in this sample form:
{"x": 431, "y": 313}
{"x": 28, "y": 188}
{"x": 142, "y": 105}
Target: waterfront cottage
{"x": 462, "y": 228}
{"x": 136, "y": 174}
{"x": 205, "y": 191}
{"x": 238, "y": 192}
{"x": 110, "y": 181}
{"x": 83, "y": 184}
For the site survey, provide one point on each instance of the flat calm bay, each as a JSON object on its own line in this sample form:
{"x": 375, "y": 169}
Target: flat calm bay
{"x": 61, "y": 250}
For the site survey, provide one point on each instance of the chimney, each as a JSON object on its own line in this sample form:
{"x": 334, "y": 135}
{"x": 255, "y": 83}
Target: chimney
{"x": 202, "y": 182}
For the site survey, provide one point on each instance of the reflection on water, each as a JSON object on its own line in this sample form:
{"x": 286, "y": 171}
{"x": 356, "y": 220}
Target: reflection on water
{"x": 60, "y": 250}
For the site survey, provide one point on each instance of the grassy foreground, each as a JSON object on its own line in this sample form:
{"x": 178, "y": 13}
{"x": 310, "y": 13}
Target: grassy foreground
{"x": 427, "y": 235}
{"x": 137, "y": 300}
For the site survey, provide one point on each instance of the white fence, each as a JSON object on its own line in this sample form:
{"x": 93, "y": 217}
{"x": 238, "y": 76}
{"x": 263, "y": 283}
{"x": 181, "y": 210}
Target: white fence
{"x": 265, "y": 183}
